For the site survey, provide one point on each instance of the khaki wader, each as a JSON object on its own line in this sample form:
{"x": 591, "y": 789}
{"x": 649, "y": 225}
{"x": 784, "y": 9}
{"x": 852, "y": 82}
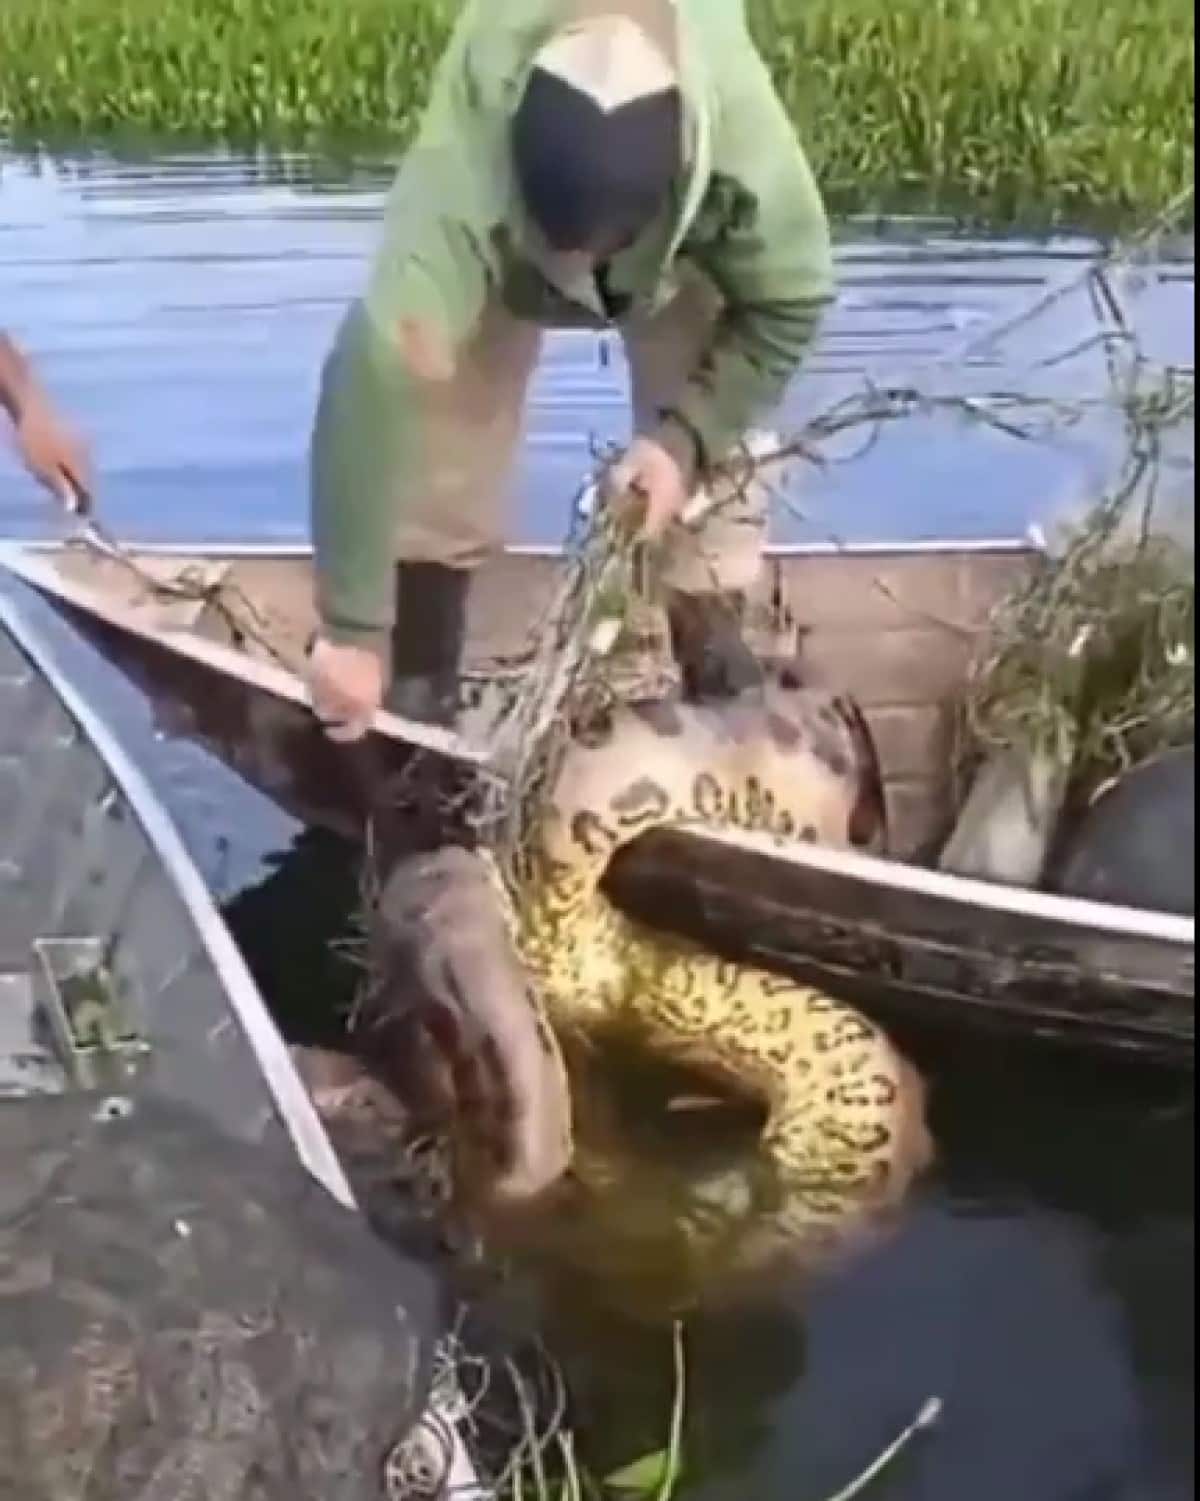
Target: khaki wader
{"x": 454, "y": 512}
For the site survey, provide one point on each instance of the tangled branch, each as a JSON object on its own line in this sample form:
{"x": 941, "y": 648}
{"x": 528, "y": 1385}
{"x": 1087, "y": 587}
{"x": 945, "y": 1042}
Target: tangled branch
{"x": 1028, "y": 679}
{"x": 1091, "y": 659}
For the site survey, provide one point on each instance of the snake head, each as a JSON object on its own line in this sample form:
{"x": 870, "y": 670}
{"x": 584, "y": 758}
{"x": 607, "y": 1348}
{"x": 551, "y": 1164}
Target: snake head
{"x": 451, "y": 995}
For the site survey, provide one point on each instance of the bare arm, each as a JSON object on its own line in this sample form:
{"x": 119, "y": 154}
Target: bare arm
{"x": 16, "y": 378}
{"x": 50, "y": 450}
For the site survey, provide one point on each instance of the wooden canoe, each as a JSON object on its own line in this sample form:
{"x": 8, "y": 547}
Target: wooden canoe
{"x": 895, "y": 626}
{"x": 104, "y": 917}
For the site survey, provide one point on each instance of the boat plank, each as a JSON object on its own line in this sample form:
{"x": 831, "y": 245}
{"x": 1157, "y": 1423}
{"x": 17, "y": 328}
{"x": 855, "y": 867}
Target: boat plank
{"x": 920, "y": 811}
{"x": 904, "y": 666}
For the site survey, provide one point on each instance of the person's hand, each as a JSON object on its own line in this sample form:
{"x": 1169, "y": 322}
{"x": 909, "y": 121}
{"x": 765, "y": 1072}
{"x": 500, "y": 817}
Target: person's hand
{"x": 52, "y": 452}
{"x": 346, "y": 685}
{"x": 650, "y": 479}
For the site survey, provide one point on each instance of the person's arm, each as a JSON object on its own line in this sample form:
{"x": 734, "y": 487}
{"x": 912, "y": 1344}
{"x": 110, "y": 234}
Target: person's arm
{"x": 50, "y": 450}
{"x": 422, "y": 302}
{"x": 764, "y": 239}
{"x": 427, "y": 290}
{"x": 15, "y": 379}
{"x": 426, "y": 293}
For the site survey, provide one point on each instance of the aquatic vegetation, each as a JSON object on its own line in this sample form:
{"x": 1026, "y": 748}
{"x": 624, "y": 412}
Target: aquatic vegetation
{"x": 1091, "y": 660}
{"x": 544, "y": 1462}
{"x": 653, "y": 1477}
{"x": 1032, "y": 107}
{"x": 1043, "y": 108}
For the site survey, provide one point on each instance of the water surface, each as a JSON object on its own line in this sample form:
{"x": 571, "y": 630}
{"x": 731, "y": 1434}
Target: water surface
{"x": 1042, "y": 1286}
{"x": 182, "y": 309}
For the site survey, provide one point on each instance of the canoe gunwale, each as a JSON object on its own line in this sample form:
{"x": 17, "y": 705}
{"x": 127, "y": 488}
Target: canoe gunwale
{"x": 910, "y": 877}
{"x": 907, "y": 957}
{"x": 27, "y": 566}
{"x": 300, "y": 551}
{"x": 916, "y": 880}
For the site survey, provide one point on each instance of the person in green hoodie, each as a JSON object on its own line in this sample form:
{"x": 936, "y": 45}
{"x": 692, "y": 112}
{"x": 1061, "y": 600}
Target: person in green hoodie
{"x": 585, "y": 164}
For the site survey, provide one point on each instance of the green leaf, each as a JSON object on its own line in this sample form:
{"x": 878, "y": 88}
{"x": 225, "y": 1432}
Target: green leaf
{"x": 643, "y": 1476}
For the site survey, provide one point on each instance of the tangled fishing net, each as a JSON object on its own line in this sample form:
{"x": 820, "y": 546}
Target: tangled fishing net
{"x": 602, "y": 640}
{"x": 1090, "y": 661}
{"x": 1091, "y": 656}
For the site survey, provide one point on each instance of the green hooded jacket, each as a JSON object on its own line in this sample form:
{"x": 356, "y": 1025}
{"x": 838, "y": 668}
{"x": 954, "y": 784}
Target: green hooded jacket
{"x": 747, "y": 211}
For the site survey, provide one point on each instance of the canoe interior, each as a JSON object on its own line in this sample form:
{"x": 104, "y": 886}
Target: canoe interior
{"x": 894, "y": 628}
{"x": 89, "y": 912}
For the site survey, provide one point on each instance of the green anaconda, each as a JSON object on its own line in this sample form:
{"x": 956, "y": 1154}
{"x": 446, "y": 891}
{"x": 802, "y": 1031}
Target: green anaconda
{"x": 554, "y": 956}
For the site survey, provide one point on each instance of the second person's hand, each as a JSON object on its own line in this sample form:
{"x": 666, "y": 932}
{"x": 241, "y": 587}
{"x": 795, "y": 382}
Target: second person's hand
{"x": 346, "y": 686}
{"x": 649, "y": 476}
{"x": 53, "y": 452}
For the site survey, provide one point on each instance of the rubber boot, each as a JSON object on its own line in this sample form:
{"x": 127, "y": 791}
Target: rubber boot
{"x": 427, "y": 642}
{"x": 706, "y": 637}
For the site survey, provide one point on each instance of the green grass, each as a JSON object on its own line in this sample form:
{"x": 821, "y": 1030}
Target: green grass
{"x": 1050, "y": 109}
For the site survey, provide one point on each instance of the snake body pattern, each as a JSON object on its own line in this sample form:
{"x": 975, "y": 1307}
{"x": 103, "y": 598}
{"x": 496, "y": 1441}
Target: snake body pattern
{"x": 844, "y": 1110}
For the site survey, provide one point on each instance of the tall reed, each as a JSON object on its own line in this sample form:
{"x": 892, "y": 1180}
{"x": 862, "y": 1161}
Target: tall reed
{"x": 1049, "y": 108}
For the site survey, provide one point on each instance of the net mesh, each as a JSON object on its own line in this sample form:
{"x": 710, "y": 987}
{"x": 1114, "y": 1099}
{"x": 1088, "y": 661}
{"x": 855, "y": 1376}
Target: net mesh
{"x": 183, "y": 1318}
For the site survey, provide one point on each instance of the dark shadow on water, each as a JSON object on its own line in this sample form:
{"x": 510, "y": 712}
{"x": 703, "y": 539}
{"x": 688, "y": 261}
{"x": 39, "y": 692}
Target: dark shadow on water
{"x": 292, "y": 928}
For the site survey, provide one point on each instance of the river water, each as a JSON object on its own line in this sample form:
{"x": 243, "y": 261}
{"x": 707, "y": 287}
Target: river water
{"x": 1042, "y": 1287}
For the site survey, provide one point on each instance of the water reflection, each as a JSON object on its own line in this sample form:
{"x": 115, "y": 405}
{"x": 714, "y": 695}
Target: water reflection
{"x": 673, "y": 1209}
{"x": 182, "y": 309}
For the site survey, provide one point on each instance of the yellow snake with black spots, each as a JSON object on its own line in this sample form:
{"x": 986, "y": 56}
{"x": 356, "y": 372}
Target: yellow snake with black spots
{"x": 844, "y": 1111}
